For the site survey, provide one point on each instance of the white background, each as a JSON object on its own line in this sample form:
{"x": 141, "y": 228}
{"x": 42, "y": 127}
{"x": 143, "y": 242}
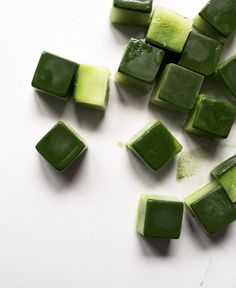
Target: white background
{"x": 77, "y": 229}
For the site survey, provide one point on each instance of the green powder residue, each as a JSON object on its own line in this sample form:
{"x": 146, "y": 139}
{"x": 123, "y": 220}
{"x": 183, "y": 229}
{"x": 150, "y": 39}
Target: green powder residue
{"x": 189, "y": 163}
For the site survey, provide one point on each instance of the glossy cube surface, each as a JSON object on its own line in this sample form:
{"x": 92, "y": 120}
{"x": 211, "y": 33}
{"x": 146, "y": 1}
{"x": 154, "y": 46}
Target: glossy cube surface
{"x": 177, "y": 89}
{"x": 54, "y": 75}
{"x": 159, "y": 217}
{"x": 211, "y": 117}
{"x": 60, "y": 146}
{"x": 154, "y": 145}
{"x": 140, "y": 64}
{"x": 212, "y": 207}
{"x": 201, "y": 54}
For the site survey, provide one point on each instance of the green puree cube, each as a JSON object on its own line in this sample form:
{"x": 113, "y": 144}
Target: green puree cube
{"x": 225, "y": 174}
{"x": 140, "y": 64}
{"x": 92, "y": 86}
{"x": 225, "y": 74}
{"x": 220, "y": 15}
{"x": 131, "y": 12}
{"x": 212, "y": 207}
{"x": 168, "y": 30}
{"x": 60, "y": 146}
{"x": 54, "y": 75}
{"x": 159, "y": 217}
{"x": 205, "y": 28}
{"x": 201, "y": 54}
{"x": 177, "y": 89}
{"x": 211, "y": 117}
{"x": 154, "y": 145}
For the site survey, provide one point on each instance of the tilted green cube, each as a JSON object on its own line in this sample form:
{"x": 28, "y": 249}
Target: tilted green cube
{"x": 160, "y": 216}
{"x": 201, "y": 54}
{"x": 212, "y": 207}
{"x": 140, "y": 64}
{"x": 168, "y": 30}
{"x": 211, "y": 117}
{"x": 177, "y": 89}
{"x": 60, "y": 146}
{"x": 54, "y": 75}
{"x": 154, "y": 145}
{"x": 225, "y": 174}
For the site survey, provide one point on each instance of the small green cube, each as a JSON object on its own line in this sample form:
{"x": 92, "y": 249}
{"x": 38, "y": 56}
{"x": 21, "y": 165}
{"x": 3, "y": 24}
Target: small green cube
{"x": 140, "y": 64}
{"x": 225, "y": 174}
{"x": 131, "y": 12}
{"x": 205, "y": 28}
{"x": 220, "y": 15}
{"x": 60, "y": 146}
{"x": 168, "y": 30}
{"x": 211, "y": 117}
{"x": 54, "y": 75}
{"x": 177, "y": 88}
{"x": 225, "y": 74}
{"x": 212, "y": 207}
{"x": 201, "y": 54}
{"x": 154, "y": 145}
{"x": 92, "y": 86}
{"x": 159, "y": 217}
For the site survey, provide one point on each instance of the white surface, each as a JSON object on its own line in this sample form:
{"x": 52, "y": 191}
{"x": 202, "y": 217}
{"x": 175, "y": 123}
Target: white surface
{"x": 78, "y": 229}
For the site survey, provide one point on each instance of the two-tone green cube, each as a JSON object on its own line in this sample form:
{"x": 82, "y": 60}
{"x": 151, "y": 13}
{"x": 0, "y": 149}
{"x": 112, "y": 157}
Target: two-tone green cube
{"x": 220, "y": 16}
{"x": 131, "y": 12}
{"x": 92, "y": 86}
{"x": 140, "y": 64}
{"x": 159, "y": 216}
{"x": 54, "y": 75}
{"x": 61, "y": 146}
{"x": 212, "y": 207}
{"x": 225, "y": 74}
{"x": 201, "y": 54}
{"x": 168, "y": 30}
{"x": 154, "y": 145}
{"x": 225, "y": 174}
{"x": 177, "y": 89}
{"x": 211, "y": 117}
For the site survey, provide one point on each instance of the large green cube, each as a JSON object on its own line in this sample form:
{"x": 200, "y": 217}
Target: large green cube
{"x": 54, "y": 75}
{"x": 220, "y": 15}
{"x": 154, "y": 145}
{"x": 225, "y": 74}
{"x": 212, "y": 207}
{"x": 140, "y": 64}
{"x": 211, "y": 117}
{"x": 92, "y": 86}
{"x": 168, "y": 30}
{"x": 177, "y": 89}
{"x": 131, "y": 12}
{"x": 60, "y": 146}
{"x": 201, "y": 54}
{"x": 159, "y": 216}
{"x": 225, "y": 174}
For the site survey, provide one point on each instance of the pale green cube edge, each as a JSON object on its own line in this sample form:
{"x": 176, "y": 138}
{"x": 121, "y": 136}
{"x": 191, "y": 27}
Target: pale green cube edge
{"x": 129, "y": 17}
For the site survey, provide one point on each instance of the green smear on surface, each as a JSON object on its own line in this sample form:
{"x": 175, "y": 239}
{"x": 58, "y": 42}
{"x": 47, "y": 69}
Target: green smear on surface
{"x": 189, "y": 163}
{"x": 122, "y": 145}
